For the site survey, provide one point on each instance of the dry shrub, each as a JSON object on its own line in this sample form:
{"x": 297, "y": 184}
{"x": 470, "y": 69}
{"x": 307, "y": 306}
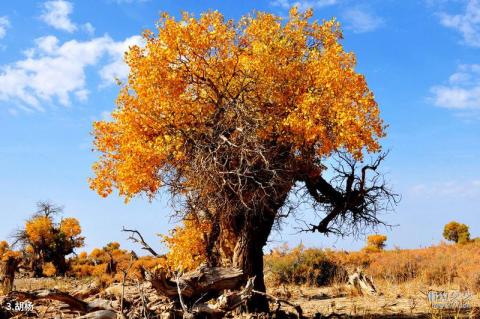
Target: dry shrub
{"x": 436, "y": 265}
{"x": 300, "y": 266}
{"x": 110, "y": 264}
{"x": 395, "y": 266}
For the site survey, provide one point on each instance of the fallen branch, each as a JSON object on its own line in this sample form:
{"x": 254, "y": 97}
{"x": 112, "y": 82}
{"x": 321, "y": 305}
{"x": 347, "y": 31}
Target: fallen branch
{"x": 362, "y": 283}
{"x": 197, "y": 283}
{"x": 100, "y": 314}
{"x": 72, "y": 302}
{"x": 225, "y": 303}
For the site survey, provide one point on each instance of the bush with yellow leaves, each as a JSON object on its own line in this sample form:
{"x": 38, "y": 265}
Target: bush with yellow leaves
{"x": 111, "y": 263}
{"x": 186, "y": 245}
{"x": 375, "y": 243}
{"x": 49, "y": 270}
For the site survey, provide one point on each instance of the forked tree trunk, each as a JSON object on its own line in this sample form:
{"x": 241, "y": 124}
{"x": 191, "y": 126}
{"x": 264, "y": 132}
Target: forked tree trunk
{"x": 248, "y": 256}
{"x": 7, "y": 274}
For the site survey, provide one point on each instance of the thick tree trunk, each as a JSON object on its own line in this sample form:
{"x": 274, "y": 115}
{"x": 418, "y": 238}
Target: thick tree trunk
{"x": 7, "y": 274}
{"x": 60, "y": 265}
{"x": 248, "y": 256}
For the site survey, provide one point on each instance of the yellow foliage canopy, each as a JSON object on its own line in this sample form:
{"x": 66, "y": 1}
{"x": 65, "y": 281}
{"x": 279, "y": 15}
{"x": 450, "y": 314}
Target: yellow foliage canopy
{"x": 295, "y": 76}
{"x": 6, "y": 252}
{"x": 375, "y": 243}
{"x": 49, "y": 270}
{"x": 456, "y": 232}
{"x": 70, "y": 227}
{"x": 39, "y": 229}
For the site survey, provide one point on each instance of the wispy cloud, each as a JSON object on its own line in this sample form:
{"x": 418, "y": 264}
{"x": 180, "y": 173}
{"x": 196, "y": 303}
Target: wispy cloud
{"x": 88, "y": 28}
{"x": 361, "y": 20}
{"x": 303, "y": 5}
{"x": 54, "y": 73}
{"x": 462, "y": 92}
{"x": 467, "y": 22}
{"x": 465, "y": 189}
{"x": 57, "y": 14}
{"x": 4, "y": 24}
{"x": 128, "y": 1}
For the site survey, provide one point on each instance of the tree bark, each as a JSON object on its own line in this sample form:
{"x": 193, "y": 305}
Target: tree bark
{"x": 7, "y": 274}
{"x": 60, "y": 264}
{"x": 248, "y": 256}
{"x": 197, "y": 283}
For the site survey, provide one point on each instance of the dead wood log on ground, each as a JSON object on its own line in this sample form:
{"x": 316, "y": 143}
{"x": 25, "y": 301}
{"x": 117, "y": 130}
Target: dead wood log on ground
{"x": 100, "y": 314}
{"x": 72, "y": 302}
{"x": 362, "y": 283}
{"x": 197, "y": 283}
{"x": 225, "y": 303}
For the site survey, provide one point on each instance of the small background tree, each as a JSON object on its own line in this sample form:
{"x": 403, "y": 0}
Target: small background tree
{"x": 456, "y": 232}
{"x": 46, "y": 241}
{"x": 375, "y": 243}
{"x": 9, "y": 261}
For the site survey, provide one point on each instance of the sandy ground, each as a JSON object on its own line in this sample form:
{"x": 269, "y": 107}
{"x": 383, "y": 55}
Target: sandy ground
{"x": 338, "y": 301}
{"x": 409, "y": 301}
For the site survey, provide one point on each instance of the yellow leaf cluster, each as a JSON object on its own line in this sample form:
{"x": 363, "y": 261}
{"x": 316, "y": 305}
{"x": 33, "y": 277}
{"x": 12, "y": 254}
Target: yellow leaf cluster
{"x": 39, "y": 229}
{"x": 294, "y": 75}
{"x": 70, "y": 227}
{"x": 186, "y": 244}
{"x": 375, "y": 243}
{"x": 49, "y": 270}
{"x": 7, "y": 253}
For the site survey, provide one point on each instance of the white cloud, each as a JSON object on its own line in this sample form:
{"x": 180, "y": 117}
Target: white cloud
{"x": 53, "y": 72}
{"x": 462, "y": 91}
{"x": 57, "y": 14}
{"x": 128, "y": 1}
{"x": 4, "y": 24}
{"x": 88, "y": 27}
{"x": 116, "y": 68}
{"x": 46, "y": 44}
{"x": 361, "y": 21}
{"x": 303, "y": 5}
{"x": 454, "y": 188}
{"x": 467, "y": 23}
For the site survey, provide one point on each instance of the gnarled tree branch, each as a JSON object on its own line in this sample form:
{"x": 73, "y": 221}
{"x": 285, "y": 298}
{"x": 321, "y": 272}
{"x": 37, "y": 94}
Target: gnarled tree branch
{"x": 352, "y": 198}
{"x": 133, "y": 237}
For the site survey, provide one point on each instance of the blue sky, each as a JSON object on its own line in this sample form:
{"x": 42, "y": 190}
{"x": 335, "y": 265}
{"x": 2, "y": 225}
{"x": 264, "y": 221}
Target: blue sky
{"x": 58, "y": 61}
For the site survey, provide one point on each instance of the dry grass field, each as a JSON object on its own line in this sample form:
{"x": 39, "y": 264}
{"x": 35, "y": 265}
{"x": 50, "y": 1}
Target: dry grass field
{"x": 437, "y": 282}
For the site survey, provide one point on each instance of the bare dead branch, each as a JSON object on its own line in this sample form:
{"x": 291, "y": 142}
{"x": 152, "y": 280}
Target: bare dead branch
{"x": 133, "y": 237}
{"x": 351, "y": 201}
